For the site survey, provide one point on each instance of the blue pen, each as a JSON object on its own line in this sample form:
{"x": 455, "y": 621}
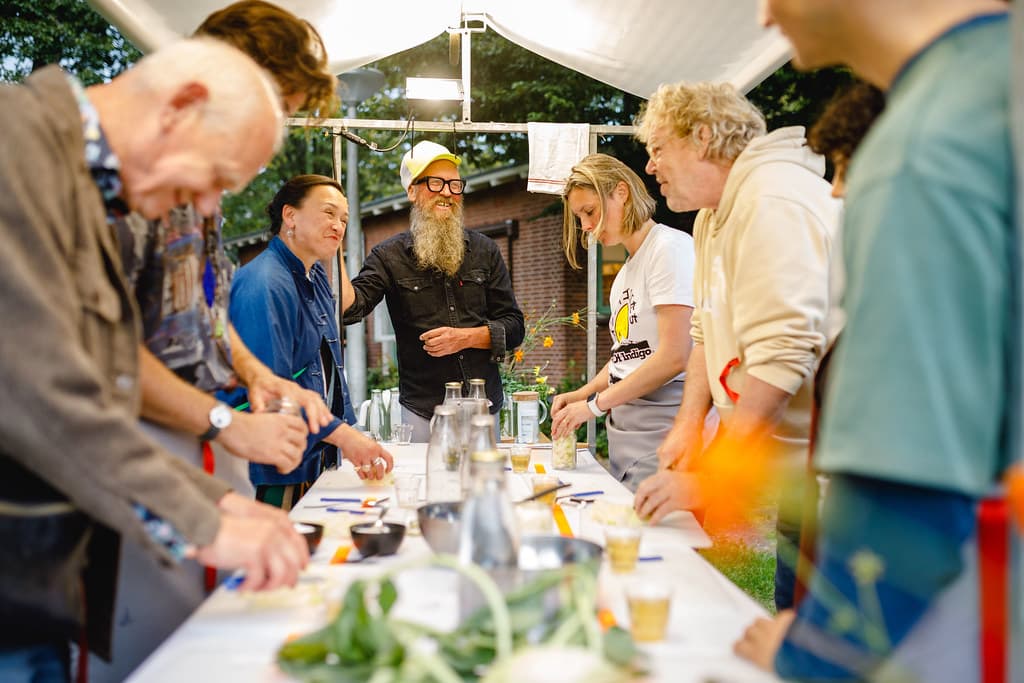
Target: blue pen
{"x": 650, "y": 558}
{"x": 583, "y": 494}
{"x": 328, "y": 499}
{"x": 233, "y": 582}
{"x": 349, "y": 511}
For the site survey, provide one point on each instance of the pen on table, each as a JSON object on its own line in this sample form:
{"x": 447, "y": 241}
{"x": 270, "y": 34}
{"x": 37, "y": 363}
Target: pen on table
{"x": 583, "y": 494}
{"x": 243, "y": 406}
{"x": 650, "y": 558}
{"x": 348, "y": 510}
{"x": 328, "y": 499}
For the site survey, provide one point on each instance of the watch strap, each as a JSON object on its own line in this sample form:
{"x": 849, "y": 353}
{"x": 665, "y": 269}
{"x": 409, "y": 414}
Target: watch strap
{"x": 210, "y": 434}
{"x": 592, "y": 404}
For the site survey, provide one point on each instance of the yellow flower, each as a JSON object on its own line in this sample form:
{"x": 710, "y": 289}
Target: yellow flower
{"x": 518, "y": 355}
{"x": 542, "y": 380}
{"x": 548, "y": 342}
{"x": 536, "y": 370}
{"x": 575, "y": 318}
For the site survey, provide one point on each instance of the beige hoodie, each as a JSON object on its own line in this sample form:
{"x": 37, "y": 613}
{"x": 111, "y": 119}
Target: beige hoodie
{"x": 761, "y": 282}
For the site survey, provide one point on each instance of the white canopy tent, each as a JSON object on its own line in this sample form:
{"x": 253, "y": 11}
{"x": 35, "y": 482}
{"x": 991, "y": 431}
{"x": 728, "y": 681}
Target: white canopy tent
{"x": 632, "y": 45}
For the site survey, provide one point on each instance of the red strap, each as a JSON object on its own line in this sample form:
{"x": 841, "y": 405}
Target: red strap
{"x": 209, "y": 573}
{"x": 993, "y": 562}
{"x": 82, "y": 670}
{"x": 724, "y": 377}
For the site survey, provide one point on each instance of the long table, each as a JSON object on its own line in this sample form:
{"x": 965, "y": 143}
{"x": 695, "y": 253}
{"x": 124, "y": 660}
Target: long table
{"x": 234, "y": 636}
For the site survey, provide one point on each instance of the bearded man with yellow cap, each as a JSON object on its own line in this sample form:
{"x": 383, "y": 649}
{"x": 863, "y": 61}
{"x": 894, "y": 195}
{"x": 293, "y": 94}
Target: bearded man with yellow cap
{"x": 447, "y": 289}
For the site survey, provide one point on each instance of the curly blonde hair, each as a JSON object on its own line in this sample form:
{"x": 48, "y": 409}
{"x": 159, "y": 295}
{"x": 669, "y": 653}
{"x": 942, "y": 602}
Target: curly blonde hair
{"x": 602, "y": 174}
{"x": 288, "y": 47}
{"x": 731, "y": 119}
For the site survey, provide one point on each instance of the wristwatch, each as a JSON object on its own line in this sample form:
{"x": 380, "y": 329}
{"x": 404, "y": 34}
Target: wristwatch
{"x": 220, "y": 418}
{"x": 592, "y": 404}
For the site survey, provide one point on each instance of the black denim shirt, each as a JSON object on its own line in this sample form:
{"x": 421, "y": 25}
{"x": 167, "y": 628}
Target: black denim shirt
{"x": 420, "y": 300}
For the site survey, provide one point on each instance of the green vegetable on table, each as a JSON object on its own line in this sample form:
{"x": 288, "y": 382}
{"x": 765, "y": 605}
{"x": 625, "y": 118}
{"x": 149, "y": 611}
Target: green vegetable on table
{"x": 498, "y": 643}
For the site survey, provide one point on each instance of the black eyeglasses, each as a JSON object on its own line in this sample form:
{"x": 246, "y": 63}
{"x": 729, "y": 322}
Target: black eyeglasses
{"x": 435, "y": 184}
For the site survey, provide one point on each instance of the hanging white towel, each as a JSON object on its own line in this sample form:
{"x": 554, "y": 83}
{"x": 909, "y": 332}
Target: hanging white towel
{"x": 554, "y": 149}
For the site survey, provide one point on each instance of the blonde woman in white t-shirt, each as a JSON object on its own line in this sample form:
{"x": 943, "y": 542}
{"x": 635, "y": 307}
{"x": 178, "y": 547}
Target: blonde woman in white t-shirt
{"x": 651, "y": 300}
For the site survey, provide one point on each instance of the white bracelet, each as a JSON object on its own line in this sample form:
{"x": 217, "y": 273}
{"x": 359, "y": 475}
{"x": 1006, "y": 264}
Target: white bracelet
{"x": 592, "y": 404}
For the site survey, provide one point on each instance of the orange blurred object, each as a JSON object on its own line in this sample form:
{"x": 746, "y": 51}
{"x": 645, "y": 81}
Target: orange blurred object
{"x": 736, "y": 478}
{"x": 341, "y": 554}
{"x": 605, "y": 618}
{"x": 1015, "y": 494}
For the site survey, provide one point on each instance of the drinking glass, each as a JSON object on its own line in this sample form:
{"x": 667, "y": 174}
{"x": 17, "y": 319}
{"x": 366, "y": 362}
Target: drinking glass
{"x": 520, "y": 457}
{"x": 623, "y": 546}
{"x": 407, "y": 496}
{"x": 402, "y": 434}
{"x": 649, "y": 602}
{"x": 534, "y": 518}
{"x": 542, "y": 482}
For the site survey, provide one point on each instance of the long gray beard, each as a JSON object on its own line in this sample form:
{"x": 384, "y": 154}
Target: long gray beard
{"x": 437, "y": 242}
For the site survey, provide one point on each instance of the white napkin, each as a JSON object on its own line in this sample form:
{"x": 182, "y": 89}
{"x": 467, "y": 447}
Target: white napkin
{"x": 554, "y": 149}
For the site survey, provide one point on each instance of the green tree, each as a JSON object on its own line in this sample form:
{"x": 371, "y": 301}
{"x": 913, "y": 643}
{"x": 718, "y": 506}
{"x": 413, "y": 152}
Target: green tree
{"x": 34, "y": 33}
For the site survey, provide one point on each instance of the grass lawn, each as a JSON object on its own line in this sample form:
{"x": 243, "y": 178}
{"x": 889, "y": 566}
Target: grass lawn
{"x": 750, "y": 567}
{"x": 747, "y": 556}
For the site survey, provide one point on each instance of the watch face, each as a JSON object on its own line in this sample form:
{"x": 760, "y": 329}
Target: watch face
{"x": 220, "y": 416}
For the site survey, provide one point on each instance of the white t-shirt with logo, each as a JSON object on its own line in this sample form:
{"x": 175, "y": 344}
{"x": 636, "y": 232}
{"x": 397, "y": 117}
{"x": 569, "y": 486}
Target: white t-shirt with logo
{"x": 659, "y": 273}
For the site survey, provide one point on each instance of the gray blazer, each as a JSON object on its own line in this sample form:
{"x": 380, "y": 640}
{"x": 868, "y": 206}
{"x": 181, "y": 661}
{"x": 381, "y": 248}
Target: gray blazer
{"x": 68, "y": 345}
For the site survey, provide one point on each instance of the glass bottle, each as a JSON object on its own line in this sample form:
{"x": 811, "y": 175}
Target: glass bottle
{"x": 385, "y": 415}
{"x": 375, "y": 414}
{"x": 478, "y": 389}
{"x": 489, "y": 536}
{"x": 444, "y": 476}
{"x": 452, "y": 392}
{"x": 481, "y": 438}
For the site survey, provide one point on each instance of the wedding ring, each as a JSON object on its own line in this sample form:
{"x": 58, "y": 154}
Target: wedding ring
{"x": 380, "y": 461}
{"x": 366, "y": 467}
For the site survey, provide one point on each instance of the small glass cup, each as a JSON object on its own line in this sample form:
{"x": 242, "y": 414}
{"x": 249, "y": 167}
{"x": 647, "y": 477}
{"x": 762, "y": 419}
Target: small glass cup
{"x": 542, "y": 482}
{"x": 623, "y": 546}
{"x": 563, "y": 452}
{"x": 407, "y": 497}
{"x": 534, "y": 518}
{"x": 407, "y": 489}
{"x": 284, "y": 405}
{"x": 649, "y": 603}
{"x": 520, "y": 456}
{"x": 402, "y": 434}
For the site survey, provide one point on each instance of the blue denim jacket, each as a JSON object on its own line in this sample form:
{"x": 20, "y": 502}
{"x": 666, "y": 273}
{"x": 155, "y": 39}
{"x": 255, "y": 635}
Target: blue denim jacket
{"x": 283, "y": 317}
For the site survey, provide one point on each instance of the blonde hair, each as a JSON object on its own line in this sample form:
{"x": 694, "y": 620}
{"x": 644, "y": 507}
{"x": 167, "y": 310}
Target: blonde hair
{"x": 731, "y": 119}
{"x": 240, "y": 92}
{"x": 602, "y": 174}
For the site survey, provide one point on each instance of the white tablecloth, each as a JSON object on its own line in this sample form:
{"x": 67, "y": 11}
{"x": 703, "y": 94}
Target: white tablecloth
{"x": 234, "y": 636}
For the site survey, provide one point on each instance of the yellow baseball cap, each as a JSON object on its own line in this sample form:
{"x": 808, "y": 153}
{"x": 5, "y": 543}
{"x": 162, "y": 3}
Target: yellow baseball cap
{"x": 420, "y": 156}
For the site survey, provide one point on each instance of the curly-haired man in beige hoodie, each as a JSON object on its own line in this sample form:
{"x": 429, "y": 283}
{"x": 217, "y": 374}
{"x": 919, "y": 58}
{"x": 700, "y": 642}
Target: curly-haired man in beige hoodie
{"x": 763, "y": 240}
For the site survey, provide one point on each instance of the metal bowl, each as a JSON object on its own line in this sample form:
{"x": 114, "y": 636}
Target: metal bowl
{"x": 440, "y": 524}
{"x": 538, "y": 553}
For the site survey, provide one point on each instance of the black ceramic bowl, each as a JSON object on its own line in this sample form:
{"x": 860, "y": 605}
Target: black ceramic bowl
{"x": 372, "y": 540}
{"x": 440, "y": 524}
{"x": 312, "y": 532}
